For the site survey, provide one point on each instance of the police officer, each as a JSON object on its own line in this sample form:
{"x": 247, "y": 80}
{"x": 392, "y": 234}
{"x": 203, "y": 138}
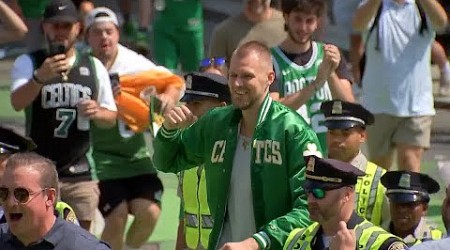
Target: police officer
{"x": 10, "y": 143}
{"x": 330, "y": 186}
{"x": 409, "y": 194}
{"x": 204, "y": 91}
{"x": 346, "y": 123}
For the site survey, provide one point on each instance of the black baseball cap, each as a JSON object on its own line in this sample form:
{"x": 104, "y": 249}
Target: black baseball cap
{"x": 61, "y": 11}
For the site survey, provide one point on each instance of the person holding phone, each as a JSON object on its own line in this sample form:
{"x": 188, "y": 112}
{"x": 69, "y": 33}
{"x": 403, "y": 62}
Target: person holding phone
{"x": 63, "y": 93}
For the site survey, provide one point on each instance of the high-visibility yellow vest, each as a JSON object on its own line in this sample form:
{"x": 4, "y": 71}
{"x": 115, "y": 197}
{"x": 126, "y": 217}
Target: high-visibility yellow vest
{"x": 198, "y": 221}
{"x": 370, "y": 194}
{"x": 66, "y": 212}
{"x": 368, "y": 237}
{"x": 431, "y": 234}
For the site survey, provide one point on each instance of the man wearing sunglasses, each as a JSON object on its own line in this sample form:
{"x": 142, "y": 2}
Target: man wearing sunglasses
{"x": 11, "y": 143}
{"x": 330, "y": 186}
{"x": 346, "y": 123}
{"x": 409, "y": 195}
{"x": 28, "y": 194}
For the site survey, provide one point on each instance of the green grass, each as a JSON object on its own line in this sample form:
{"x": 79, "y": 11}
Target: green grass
{"x": 434, "y": 208}
{"x": 6, "y": 110}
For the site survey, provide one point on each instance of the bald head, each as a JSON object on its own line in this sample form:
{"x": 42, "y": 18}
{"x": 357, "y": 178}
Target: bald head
{"x": 256, "y": 49}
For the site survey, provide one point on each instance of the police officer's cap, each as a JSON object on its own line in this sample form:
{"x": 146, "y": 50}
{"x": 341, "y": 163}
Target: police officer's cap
{"x": 206, "y": 85}
{"x": 343, "y": 115}
{"x": 11, "y": 142}
{"x": 328, "y": 173}
{"x": 407, "y": 186}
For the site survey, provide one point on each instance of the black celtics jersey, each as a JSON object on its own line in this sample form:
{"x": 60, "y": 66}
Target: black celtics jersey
{"x": 52, "y": 119}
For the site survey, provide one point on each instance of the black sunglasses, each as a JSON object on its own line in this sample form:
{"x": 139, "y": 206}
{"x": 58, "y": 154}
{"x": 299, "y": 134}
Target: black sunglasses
{"x": 216, "y": 61}
{"x": 318, "y": 193}
{"x": 21, "y": 195}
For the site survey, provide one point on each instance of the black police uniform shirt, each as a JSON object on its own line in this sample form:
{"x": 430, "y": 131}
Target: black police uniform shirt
{"x": 62, "y": 236}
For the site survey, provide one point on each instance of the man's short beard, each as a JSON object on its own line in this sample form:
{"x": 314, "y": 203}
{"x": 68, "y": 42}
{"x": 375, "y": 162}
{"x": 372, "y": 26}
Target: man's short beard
{"x": 297, "y": 41}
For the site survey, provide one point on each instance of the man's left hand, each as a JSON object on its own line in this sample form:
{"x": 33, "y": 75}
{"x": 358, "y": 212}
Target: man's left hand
{"x": 248, "y": 244}
{"x": 332, "y": 56}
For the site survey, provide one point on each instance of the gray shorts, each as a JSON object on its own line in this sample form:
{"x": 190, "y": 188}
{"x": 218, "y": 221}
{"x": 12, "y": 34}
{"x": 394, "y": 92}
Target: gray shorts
{"x": 388, "y": 130}
{"x": 82, "y": 196}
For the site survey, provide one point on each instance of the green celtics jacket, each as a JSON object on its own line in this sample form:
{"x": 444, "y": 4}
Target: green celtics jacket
{"x": 280, "y": 140}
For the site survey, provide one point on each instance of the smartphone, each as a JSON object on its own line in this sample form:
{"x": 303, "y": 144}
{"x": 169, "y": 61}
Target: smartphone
{"x": 56, "y": 49}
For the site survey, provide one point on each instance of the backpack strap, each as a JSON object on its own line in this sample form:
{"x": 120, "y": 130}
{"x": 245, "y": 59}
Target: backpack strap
{"x": 422, "y": 29}
{"x": 375, "y": 25}
{"x": 423, "y": 19}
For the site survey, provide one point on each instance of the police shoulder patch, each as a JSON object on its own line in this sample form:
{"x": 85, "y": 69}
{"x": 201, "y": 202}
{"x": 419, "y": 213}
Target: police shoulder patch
{"x": 70, "y": 217}
{"x": 398, "y": 245}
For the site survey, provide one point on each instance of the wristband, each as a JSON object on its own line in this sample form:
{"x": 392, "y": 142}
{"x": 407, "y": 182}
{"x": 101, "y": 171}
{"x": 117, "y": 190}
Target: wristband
{"x": 36, "y": 79}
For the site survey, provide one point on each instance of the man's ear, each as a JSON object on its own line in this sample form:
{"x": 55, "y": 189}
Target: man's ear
{"x": 425, "y": 208}
{"x": 363, "y": 135}
{"x": 51, "y": 197}
{"x": 78, "y": 28}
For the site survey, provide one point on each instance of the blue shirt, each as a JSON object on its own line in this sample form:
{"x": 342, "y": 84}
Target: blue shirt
{"x": 62, "y": 236}
{"x": 397, "y": 78}
{"x": 443, "y": 244}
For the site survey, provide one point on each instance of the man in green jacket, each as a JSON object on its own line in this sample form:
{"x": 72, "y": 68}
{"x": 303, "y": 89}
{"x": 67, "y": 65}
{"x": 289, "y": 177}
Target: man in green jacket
{"x": 252, "y": 152}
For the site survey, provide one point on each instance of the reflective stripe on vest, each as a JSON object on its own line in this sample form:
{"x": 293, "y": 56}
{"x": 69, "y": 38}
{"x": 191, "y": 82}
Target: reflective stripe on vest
{"x": 198, "y": 219}
{"x": 435, "y": 234}
{"x": 368, "y": 236}
{"x": 301, "y": 238}
{"x": 370, "y": 194}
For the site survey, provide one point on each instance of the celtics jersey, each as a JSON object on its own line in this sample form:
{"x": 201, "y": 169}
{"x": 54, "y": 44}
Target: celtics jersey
{"x": 53, "y": 122}
{"x": 180, "y": 14}
{"x": 293, "y": 77}
{"x": 120, "y": 153}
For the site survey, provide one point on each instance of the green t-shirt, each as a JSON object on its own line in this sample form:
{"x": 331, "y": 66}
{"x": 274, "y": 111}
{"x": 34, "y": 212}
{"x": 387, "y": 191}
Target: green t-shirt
{"x": 178, "y": 14}
{"x": 33, "y": 8}
{"x": 292, "y": 78}
{"x": 120, "y": 153}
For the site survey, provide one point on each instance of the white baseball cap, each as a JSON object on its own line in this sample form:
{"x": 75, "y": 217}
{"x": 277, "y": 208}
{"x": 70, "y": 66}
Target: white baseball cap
{"x": 100, "y": 14}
